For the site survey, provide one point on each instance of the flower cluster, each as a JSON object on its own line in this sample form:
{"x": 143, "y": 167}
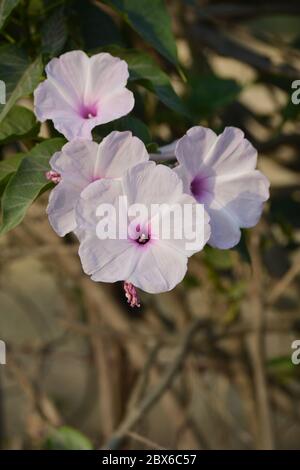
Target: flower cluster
{"x": 217, "y": 172}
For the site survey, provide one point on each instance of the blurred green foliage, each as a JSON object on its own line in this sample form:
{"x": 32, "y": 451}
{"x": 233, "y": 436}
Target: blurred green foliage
{"x": 67, "y": 438}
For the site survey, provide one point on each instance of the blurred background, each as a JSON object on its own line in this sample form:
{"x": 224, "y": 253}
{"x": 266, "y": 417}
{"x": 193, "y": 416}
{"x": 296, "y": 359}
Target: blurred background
{"x": 208, "y": 365}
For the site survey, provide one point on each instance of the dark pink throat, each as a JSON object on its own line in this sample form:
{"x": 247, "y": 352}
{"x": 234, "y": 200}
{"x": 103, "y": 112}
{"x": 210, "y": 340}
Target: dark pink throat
{"x": 88, "y": 111}
{"x": 143, "y": 235}
{"x": 143, "y": 239}
{"x": 199, "y": 187}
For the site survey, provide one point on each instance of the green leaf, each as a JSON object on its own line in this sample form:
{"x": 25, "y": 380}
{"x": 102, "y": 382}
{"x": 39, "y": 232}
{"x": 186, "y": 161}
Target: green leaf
{"x": 37, "y": 8}
{"x": 26, "y": 184}
{"x": 6, "y": 7}
{"x": 190, "y": 281}
{"x": 126, "y": 123}
{"x": 7, "y": 168}
{"x": 54, "y": 33}
{"x": 10, "y": 165}
{"x": 20, "y": 76}
{"x": 209, "y": 93}
{"x": 97, "y": 27}
{"x": 67, "y": 438}
{"x": 218, "y": 259}
{"x": 143, "y": 67}
{"x": 291, "y": 111}
{"x": 152, "y": 21}
{"x": 152, "y": 147}
{"x": 18, "y": 123}
{"x": 281, "y": 367}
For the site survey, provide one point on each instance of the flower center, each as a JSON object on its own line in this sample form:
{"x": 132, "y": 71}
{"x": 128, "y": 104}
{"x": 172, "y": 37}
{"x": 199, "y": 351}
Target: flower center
{"x": 143, "y": 239}
{"x": 199, "y": 187}
{"x": 88, "y": 112}
{"x": 141, "y": 235}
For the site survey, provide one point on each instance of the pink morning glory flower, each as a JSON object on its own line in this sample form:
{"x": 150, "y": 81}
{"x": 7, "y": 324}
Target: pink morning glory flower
{"x": 220, "y": 172}
{"x": 82, "y": 162}
{"x": 145, "y": 257}
{"x": 81, "y": 92}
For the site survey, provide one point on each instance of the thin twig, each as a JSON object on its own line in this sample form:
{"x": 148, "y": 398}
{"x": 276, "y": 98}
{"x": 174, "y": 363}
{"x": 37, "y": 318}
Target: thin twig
{"x": 225, "y": 46}
{"x": 103, "y": 370}
{"x": 145, "y": 440}
{"x": 283, "y": 284}
{"x": 255, "y": 343}
{"x": 149, "y": 401}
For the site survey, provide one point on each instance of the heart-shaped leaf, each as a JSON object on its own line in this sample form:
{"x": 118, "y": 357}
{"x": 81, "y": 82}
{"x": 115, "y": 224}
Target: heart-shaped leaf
{"x": 143, "y": 67}
{"x": 19, "y": 75}
{"x": 8, "y": 167}
{"x": 6, "y": 7}
{"x": 19, "y": 123}
{"x": 126, "y": 123}
{"x": 27, "y": 183}
{"x": 152, "y": 21}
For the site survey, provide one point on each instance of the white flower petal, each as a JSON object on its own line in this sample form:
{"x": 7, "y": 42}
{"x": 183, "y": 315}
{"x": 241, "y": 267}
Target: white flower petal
{"x": 148, "y": 183}
{"x": 193, "y": 147}
{"x": 238, "y": 203}
{"x": 192, "y": 226}
{"x": 116, "y": 105}
{"x": 243, "y": 196}
{"x": 60, "y": 208}
{"x": 160, "y": 269}
{"x": 220, "y": 173}
{"x": 232, "y": 153}
{"x": 107, "y": 260}
{"x": 80, "y": 163}
{"x": 155, "y": 265}
{"x": 69, "y": 74}
{"x": 225, "y": 231}
{"x": 76, "y": 162}
{"x": 107, "y": 75}
{"x": 118, "y": 152}
{"x": 183, "y": 173}
{"x": 81, "y": 92}
{"x": 104, "y": 191}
